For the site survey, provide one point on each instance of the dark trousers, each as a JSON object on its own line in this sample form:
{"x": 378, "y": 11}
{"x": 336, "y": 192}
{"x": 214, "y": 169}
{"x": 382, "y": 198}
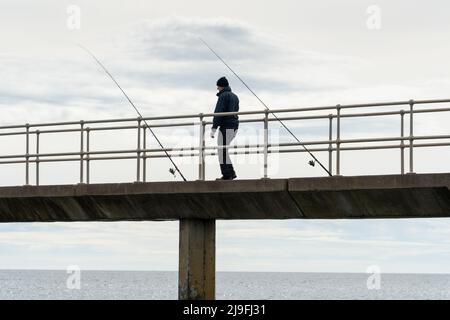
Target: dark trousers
{"x": 224, "y": 138}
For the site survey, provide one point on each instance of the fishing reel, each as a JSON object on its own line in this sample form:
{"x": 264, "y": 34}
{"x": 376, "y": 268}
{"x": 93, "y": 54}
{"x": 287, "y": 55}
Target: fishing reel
{"x": 312, "y": 163}
{"x": 172, "y": 171}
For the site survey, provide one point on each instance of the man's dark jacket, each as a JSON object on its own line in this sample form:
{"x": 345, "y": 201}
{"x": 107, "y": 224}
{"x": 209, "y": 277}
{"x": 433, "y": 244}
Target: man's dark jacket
{"x": 227, "y": 102}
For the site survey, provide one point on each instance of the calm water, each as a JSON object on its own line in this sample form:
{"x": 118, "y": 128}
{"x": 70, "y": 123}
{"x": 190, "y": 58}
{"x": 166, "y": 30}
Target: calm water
{"x": 17, "y": 284}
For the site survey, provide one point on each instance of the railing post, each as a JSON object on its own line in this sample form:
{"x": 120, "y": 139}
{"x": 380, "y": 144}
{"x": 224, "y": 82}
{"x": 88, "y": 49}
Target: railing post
{"x": 411, "y": 136}
{"x": 138, "y": 166}
{"x": 82, "y": 152}
{"x": 338, "y": 140}
{"x": 27, "y": 155}
{"x": 88, "y": 161}
{"x": 38, "y": 133}
{"x": 266, "y": 142}
{"x": 144, "y": 164}
{"x": 330, "y": 145}
{"x": 402, "y": 142}
{"x": 201, "y": 150}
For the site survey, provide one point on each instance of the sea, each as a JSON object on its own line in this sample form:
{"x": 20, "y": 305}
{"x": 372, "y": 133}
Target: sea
{"x": 138, "y": 285}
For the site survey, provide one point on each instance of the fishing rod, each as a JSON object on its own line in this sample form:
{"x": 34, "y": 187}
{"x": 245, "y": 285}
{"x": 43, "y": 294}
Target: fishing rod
{"x": 312, "y": 163}
{"x": 171, "y": 170}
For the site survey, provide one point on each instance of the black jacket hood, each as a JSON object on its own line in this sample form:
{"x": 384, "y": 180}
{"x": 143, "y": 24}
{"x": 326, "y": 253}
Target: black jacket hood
{"x": 226, "y": 89}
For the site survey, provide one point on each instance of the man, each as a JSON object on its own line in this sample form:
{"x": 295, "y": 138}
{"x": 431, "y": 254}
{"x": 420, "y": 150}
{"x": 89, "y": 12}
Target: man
{"x": 227, "y": 125}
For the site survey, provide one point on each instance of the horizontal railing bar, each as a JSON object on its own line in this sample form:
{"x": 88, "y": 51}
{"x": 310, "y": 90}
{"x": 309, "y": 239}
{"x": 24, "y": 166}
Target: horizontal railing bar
{"x": 379, "y": 104}
{"x": 183, "y": 124}
{"x": 352, "y": 115}
{"x": 387, "y": 113}
{"x": 17, "y": 133}
{"x": 242, "y": 121}
{"x": 110, "y": 120}
{"x": 394, "y": 146}
{"x": 418, "y": 145}
{"x": 356, "y": 115}
{"x": 393, "y": 139}
{"x": 51, "y": 124}
{"x": 121, "y": 127}
{"x": 20, "y": 126}
{"x": 58, "y": 131}
{"x": 349, "y": 106}
{"x": 286, "y": 144}
{"x": 246, "y": 146}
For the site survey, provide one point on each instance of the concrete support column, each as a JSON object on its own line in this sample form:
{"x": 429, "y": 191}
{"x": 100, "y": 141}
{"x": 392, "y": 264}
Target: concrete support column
{"x": 197, "y": 261}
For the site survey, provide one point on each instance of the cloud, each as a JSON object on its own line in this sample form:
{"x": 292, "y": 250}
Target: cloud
{"x": 162, "y": 64}
{"x": 178, "y": 39}
{"x": 163, "y": 67}
{"x": 269, "y": 62}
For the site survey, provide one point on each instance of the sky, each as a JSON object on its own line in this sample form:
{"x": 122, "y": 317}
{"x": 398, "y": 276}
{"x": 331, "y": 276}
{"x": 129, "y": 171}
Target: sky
{"x": 292, "y": 53}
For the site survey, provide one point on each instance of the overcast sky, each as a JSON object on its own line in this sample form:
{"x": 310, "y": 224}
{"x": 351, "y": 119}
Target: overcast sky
{"x": 293, "y": 53}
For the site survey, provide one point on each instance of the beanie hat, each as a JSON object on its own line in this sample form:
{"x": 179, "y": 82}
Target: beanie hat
{"x": 222, "y": 82}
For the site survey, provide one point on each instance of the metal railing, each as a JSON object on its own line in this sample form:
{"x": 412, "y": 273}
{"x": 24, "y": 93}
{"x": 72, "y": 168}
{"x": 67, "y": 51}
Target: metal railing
{"x": 142, "y": 153}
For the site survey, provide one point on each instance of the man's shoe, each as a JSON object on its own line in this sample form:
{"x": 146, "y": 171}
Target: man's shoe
{"x": 227, "y": 178}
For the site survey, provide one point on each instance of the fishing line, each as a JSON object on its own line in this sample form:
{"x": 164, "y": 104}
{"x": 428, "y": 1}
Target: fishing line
{"x": 172, "y": 171}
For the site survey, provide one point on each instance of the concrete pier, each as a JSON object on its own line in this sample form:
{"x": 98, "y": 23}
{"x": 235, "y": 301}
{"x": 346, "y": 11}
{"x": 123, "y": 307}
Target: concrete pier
{"x": 362, "y": 197}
